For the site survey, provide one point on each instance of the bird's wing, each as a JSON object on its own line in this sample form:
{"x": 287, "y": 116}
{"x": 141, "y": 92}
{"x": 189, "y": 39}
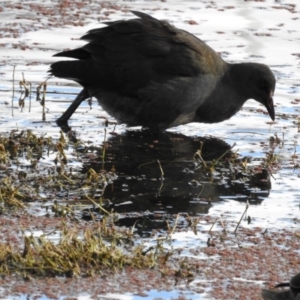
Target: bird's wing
{"x": 130, "y": 55}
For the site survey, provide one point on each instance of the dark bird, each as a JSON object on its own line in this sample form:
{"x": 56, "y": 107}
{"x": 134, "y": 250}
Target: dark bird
{"x": 147, "y": 72}
{"x": 293, "y": 293}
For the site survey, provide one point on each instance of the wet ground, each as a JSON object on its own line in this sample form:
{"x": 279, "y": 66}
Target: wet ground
{"x": 161, "y": 175}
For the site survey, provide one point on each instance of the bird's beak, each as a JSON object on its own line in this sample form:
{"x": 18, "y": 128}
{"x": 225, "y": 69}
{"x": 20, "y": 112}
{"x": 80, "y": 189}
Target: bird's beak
{"x": 270, "y": 107}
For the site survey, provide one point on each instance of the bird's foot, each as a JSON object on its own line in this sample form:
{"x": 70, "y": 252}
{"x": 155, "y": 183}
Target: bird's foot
{"x": 63, "y": 124}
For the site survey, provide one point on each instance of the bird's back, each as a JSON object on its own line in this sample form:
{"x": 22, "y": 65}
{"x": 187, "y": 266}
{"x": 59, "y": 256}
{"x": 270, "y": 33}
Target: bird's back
{"x": 128, "y": 55}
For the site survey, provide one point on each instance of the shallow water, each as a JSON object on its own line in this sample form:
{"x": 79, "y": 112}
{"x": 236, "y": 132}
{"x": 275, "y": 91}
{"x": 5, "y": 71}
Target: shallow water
{"x": 265, "y": 32}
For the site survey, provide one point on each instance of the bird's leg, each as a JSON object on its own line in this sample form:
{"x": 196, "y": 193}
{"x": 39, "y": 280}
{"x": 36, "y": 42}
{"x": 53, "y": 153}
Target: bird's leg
{"x": 63, "y": 120}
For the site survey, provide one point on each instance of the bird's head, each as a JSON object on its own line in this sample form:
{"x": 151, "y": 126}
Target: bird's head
{"x": 260, "y": 86}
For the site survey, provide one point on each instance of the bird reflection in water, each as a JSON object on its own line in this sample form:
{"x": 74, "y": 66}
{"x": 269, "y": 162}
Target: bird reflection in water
{"x": 158, "y": 171}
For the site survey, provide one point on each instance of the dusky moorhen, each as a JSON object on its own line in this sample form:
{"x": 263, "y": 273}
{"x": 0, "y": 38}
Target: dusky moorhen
{"x": 292, "y": 294}
{"x": 147, "y": 72}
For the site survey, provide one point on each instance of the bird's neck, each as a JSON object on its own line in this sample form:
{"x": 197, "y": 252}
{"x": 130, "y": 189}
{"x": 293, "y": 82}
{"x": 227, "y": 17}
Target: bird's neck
{"x": 226, "y": 99}
{"x": 237, "y": 78}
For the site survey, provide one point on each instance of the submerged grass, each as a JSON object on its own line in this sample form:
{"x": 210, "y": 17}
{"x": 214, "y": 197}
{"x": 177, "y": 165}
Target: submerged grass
{"x": 35, "y": 168}
{"x": 79, "y": 253}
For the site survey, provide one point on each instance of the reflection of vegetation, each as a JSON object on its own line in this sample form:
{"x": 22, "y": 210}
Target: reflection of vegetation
{"x": 209, "y": 166}
{"x": 26, "y": 92}
{"x": 228, "y": 169}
